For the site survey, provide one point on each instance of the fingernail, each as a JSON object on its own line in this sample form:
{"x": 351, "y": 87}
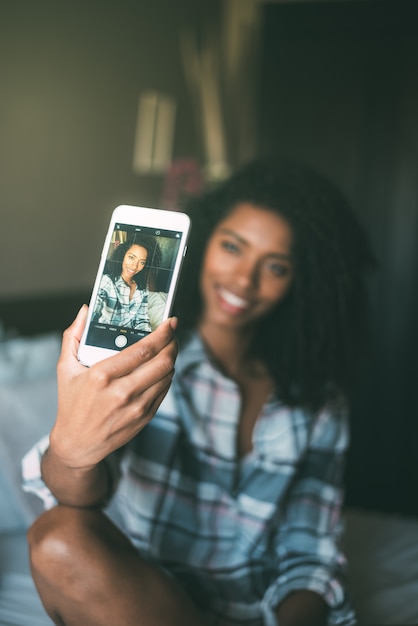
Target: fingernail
{"x": 173, "y": 322}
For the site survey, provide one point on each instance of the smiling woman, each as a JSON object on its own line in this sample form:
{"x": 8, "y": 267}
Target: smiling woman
{"x": 307, "y": 279}
{"x": 227, "y": 461}
{"x": 248, "y": 267}
{"x": 123, "y": 295}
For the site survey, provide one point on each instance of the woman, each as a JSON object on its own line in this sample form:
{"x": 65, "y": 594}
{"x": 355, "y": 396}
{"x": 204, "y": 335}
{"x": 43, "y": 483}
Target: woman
{"x": 229, "y": 493}
{"x": 123, "y": 294}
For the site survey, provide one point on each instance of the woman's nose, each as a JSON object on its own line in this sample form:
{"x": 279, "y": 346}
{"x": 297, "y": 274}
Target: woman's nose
{"x": 247, "y": 274}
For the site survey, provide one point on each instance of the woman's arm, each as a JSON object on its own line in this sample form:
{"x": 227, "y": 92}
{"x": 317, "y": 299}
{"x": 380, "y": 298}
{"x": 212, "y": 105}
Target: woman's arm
{"x": 101, "y": 408}
{"x": 102, "y": 297}
{"x": 86, "y": 487}
{"x": 302, "y": 608}
{"x": 311, "y": 567}
{"x": 141, "y": 320}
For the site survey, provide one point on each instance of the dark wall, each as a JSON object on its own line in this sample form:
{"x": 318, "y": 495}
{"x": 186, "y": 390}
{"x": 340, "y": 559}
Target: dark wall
{"x": 71, "y": 74}
{"x": 339, "y": 91}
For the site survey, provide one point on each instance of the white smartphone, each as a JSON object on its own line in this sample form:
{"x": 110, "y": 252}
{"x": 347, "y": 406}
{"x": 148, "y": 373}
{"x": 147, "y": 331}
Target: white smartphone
{"x": 136, "y": 280}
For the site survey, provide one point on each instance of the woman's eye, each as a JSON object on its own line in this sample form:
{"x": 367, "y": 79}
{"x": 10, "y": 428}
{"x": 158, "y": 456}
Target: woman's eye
{"x": 229, "y": 246}
{"x": 278, "y": 270}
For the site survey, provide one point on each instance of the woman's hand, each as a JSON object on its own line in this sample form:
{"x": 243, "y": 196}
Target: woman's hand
{"x": 103, "y": 407}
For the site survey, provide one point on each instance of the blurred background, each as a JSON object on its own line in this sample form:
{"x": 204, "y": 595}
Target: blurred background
{"x": 146, "y": 102}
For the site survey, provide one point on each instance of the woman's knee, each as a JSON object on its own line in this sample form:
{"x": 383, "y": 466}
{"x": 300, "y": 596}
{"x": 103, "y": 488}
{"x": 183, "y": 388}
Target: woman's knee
{"x": 58, "y": 537}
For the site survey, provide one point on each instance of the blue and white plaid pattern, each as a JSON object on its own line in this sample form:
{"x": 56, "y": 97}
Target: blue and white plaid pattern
{"x": 238, "y": 534}
{"x": 114, "y": 306}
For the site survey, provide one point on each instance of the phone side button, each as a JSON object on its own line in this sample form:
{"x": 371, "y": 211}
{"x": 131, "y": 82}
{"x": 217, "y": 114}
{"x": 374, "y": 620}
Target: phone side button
{"x": 184, "y": 251}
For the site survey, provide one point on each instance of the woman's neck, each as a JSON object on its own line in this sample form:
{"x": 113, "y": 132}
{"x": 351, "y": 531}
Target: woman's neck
{"x": 229, "y": 348}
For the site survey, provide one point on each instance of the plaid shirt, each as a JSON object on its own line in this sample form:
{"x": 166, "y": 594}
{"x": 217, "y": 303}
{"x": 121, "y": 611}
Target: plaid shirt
{"x": 114, "y": 306}
{"x": 238, "y": 533}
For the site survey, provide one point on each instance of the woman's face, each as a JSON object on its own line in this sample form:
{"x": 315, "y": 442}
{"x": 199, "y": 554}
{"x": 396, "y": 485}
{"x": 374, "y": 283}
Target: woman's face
{"x": 133, "y": 262}
{"x": 247, "y": 267}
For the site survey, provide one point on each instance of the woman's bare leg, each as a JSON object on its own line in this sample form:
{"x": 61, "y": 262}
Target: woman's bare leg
{"x": 87, "y": 572}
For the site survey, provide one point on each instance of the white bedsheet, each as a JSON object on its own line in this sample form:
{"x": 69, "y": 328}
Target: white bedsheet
{"x": 19, "y": 601}
{"x": 383, "y": 577}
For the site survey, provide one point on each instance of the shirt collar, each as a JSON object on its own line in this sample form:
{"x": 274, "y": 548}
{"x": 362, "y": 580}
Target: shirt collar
{"x": 192, "y": 352}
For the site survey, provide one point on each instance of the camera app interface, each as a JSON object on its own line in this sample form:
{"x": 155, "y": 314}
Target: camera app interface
{"x": 134, "y": 286}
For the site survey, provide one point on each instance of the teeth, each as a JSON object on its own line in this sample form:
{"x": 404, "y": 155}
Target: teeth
{"x": 233, "y": 300}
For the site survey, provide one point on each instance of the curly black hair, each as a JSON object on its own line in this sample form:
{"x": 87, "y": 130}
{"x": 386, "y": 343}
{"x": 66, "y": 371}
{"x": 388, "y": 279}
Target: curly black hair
{"x": 113, "y": 266}
{"x": 312, "y": 340}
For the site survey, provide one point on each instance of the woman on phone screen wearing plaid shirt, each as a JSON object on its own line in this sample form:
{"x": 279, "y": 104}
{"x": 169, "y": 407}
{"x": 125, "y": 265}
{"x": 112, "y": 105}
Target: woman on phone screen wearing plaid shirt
{"x": 122, "y": 298}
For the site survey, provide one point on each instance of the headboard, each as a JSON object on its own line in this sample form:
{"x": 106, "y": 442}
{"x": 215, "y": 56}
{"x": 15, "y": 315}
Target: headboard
{"x": 37, "y": 314}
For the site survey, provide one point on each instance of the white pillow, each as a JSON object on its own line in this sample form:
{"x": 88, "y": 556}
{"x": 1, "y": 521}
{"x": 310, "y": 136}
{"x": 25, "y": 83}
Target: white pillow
{"x": 27, "y": 358}
{"x": 156, "y": 304}
{"x": 27, "y": 412}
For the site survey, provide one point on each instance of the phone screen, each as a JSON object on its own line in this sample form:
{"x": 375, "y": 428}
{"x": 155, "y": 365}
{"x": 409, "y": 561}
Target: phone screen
{"x": 133, "y": 293}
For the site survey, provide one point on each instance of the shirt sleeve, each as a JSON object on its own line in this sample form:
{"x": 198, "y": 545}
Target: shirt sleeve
{"x": 142, "y": 321}
{"x": 310, "y": 525}
{"x": 102, "y": 296}
{"x": 31, "y": 473}
{"x": 32, "y": 481}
